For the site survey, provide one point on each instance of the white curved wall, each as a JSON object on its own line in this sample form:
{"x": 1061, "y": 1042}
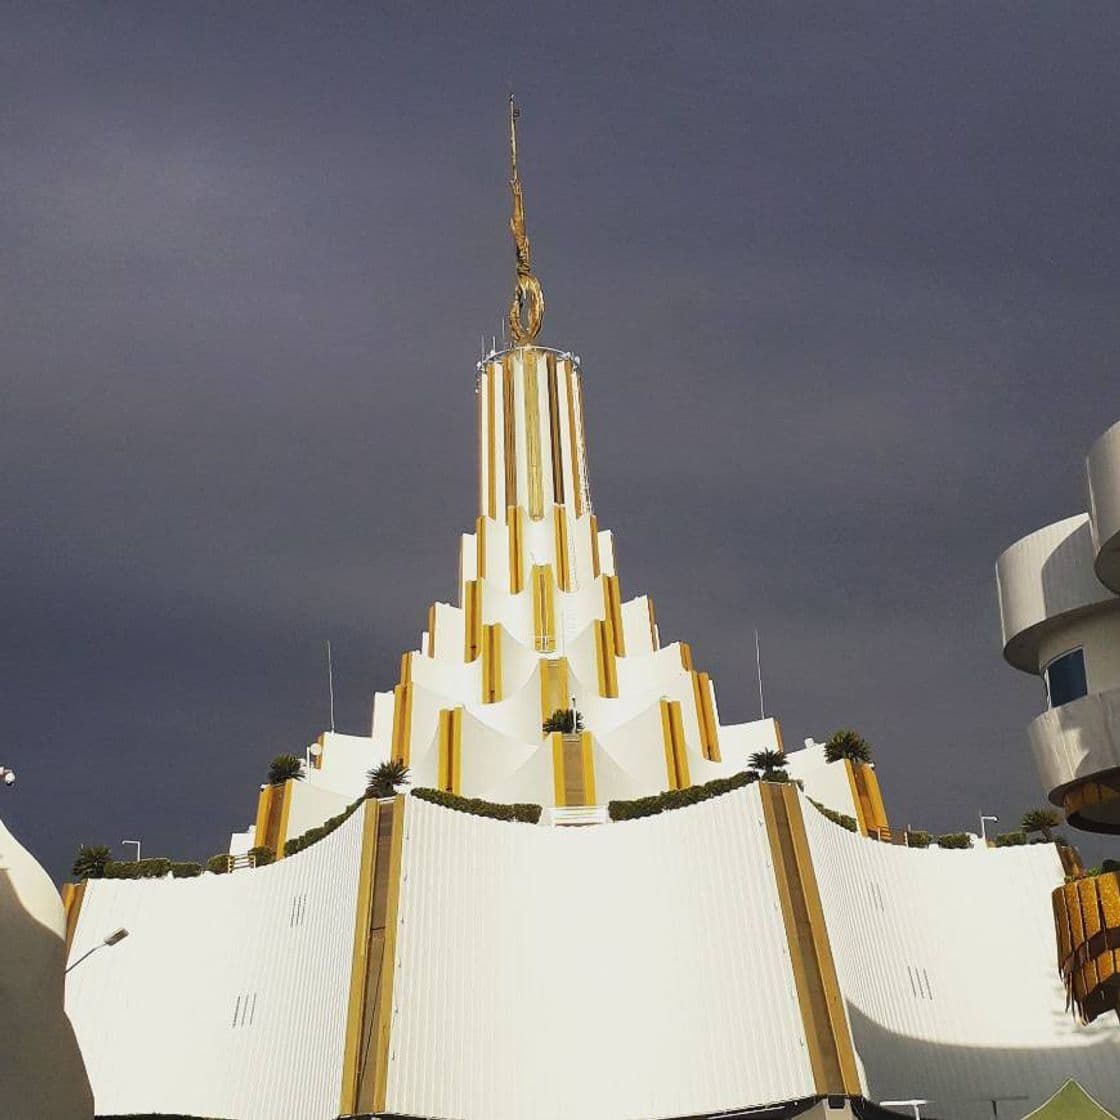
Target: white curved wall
{"x": 947, "y": 965}
{"x": 633, "y": 970}
{"x": 1098, "y": 636}
{"x": 1103, "y": 468}
{"x": 1040, "y": 578}
{"x": 41, "y": 1072}
{"x": 228, "y": 998}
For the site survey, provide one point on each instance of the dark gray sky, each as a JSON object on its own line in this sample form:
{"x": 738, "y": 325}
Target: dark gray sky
{"x": 844, "y": 280}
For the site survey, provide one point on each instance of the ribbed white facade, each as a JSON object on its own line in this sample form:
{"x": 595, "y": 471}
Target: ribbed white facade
{"x": 228, "y": 998}
{"x": 613, "y": 973}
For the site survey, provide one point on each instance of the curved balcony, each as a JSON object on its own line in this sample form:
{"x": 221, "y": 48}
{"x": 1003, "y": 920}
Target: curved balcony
{"x": 1046, "y": 580}
{"x": 1076, "y": 748}
{"x": 1103, "y": 467}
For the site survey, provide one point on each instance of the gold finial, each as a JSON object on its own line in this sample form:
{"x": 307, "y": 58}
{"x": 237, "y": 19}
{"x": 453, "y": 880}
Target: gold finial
{"x": 527, "y": 309}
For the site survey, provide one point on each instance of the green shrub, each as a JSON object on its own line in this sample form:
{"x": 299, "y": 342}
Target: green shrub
{"x": 155, "y": 868}
{"x": 306, "y": 839}
{"x": 846, "y": 743}
{"x": 677, "y": 798}
{"x": 262, "y": 855}
{"x": 955, "y": 840}
{"x": 565, "y": 720}
{"x": 842, "y": 819}
{"x": 185, "y": 869}
{"x": 284, "y": 768}
{"x": 219, "y": 864}
{"x": 386, "y": 779}
{"x": 518, "y": 811}
{"x": 1010, "y": 839}
{"x": 90, "y": 862}
{"x": 916, "y": 838}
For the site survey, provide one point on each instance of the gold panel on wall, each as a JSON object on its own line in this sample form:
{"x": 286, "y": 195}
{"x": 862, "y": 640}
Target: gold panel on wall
{"x": 510, "y": 431}
{"x": 555, "y": 445}
{"x": 572, "y": 381}
{"x": 612, "y": 606}
{"x": 1087, "y": 932}
{"x": 472, "y": 620}
{"x": 491, "y": 663}
{"x": 676, "y": 756}
{"x": 450, "y": 749}
{"x": 402, "y": 722}
{"x": 533, "y": 432}
{"x": 605, "y": 659}
{"x": 560, "y": 536}
{"x": 516, "y": 569}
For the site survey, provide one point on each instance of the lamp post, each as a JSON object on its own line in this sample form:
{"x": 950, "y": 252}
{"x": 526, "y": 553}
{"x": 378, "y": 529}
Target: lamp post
{"x": 915, "y": 1104}
{"x": 137, "y": 843}
{"x": 7, "y": 776}
{"x": 984, "y": 818}
{"x": 113, "y": 938}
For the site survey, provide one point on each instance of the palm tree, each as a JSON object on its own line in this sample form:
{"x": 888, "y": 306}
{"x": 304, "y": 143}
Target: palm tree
{"x": 1041, "y": 820}
{"x": 770, "y": 764}
{"x": 565, "y": 720}
{"x": 846, "y": 743}
{"x": 384, "y": 779}
{"x": 283, "y": 768}
{"x": 90, "y": 862}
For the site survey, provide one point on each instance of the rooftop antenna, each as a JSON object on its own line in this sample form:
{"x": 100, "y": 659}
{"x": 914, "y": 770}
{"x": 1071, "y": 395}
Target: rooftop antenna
{"x": 330, "y": 680}
{"x": 758, "y": 663}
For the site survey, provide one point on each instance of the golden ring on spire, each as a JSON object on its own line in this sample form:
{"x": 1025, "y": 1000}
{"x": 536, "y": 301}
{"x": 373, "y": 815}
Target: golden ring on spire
{"x": 527, "y": 310}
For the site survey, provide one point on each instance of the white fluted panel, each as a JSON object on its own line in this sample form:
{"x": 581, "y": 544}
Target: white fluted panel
{"x": 946, "y": 960}
{"x": 1103, "y": 467}
{"x": 155, "y": 1014}
{"x": 629, "y": 970}
{"x": 1040, "y": 578}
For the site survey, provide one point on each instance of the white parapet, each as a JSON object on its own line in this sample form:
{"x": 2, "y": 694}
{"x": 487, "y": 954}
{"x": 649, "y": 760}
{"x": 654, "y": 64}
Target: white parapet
{"x": 1103, "y": 469}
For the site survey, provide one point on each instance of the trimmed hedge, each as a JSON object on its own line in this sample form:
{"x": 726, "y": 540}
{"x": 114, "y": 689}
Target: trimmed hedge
{"x": 154, "y": 868}
{"x": 518, "y": 811}
{"x": 678, "y": 798}
{"x": 917, "y": 838}
{"x": 219, "y": 864}
{"x": 262, "y": 855}
{"x": 312, "y": 835}
{"x": 955, "y": 840}
{"x": 842, "y": 819}
{"x": 186, "y": 869}
{"x": 1011, "y": 839}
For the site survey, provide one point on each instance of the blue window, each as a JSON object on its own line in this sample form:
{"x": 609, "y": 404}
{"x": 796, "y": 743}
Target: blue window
{"x": 1065, "y": 678}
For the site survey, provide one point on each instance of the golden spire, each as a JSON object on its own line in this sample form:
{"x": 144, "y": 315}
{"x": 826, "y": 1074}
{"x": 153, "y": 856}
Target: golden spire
{"x": 527, "y": 309}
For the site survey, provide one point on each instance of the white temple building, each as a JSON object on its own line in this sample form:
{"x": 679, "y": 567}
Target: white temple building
{"x": 758, "y": 947}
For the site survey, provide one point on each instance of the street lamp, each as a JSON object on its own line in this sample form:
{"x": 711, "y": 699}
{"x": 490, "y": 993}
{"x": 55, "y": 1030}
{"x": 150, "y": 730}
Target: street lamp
{"x": 915, "y": 1104}
{"x": 137, "y": 843}
{"x": 983, "y": 829}
{"x": 7, "y": 776}
{"x": 113, "y": 938}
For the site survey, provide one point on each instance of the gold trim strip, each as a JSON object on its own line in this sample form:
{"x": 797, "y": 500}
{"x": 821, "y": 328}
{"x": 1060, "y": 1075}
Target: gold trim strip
{"x": 359, "y": 961}
{"x": 406, "y": 668}
{"x": 491, "y": 454}
{"x": 516, "y": 569}
{"x": 388, "y": 960}
{"x": 596, "y": 569}
{"x": 533, "y": 432}
{"x": 861, "y": 816}
{"x": 573, "y": 442}
{"x": 686, "y": 656}
{"x": 654, "y": 644}
{"x": 705, "y": 716}
{"x": 559, "y": 779}
{"x": 588, "y": 769}
{"x": 612, "y": 604}
{"x": 556, "y": 446}
{"x": 582, "y": 484}
{"x": 402, "y": 722}
{"x": 676, "y": 757}
{"x": 480, "y": 547}
{"x": 605, "y": 663}
{"x": 450, "y": 749}
{"x": 432, "y": 630}
{"x": 544, "y": 609}
{"x": 472, "y": 620}
{"x": 264, "y": 808}
{"x": 73, "y": 895}
{"x": 491, "y": 663}
{"x": 560, "y": 526}
{"x": 510, "y": 431}
{"x": 285, "y": 812}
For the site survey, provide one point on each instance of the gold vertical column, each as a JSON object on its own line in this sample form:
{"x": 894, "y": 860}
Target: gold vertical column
{"x": 491, "y": 508}
{"x": 510, "y": 431}
{"x": 831, "y": 1053}
{"x": 491, "y": 664}
{"x": 516, "y": 569}
{"x": 544, "y": 612}
{"x": 450, "y": 749}
{"x": 472, "y": 620}
{"x": 605, "y": 658}
{"x": 554, "y": 686}
{"x": 555, "y": 443}
{"x": 432, "y": 630}
{"x": 654, "y": 643}
{"x": 594, "y": 530}
{"x": 612, "y": 605}
{"x": 676, "y": 756}
{"x": 560, "y": 536}
{"x": 573, "y": 439}
{"x": 533, "y": 432}
{"x": 705, "y": 716}
{"x": 480, "y": 547}
{"x": 402, "y": 722}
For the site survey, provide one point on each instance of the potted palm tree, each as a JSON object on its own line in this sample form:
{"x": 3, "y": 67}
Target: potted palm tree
{"x": 565, "y": 720}
{"x": 386, "y": 779}
{"x": 771, "y": 765}
{"x": 846, "y": 743}
{"x": 1041, "y": 820}
{"x": 90, "y": 862}
{"x": 283, "y": 768}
